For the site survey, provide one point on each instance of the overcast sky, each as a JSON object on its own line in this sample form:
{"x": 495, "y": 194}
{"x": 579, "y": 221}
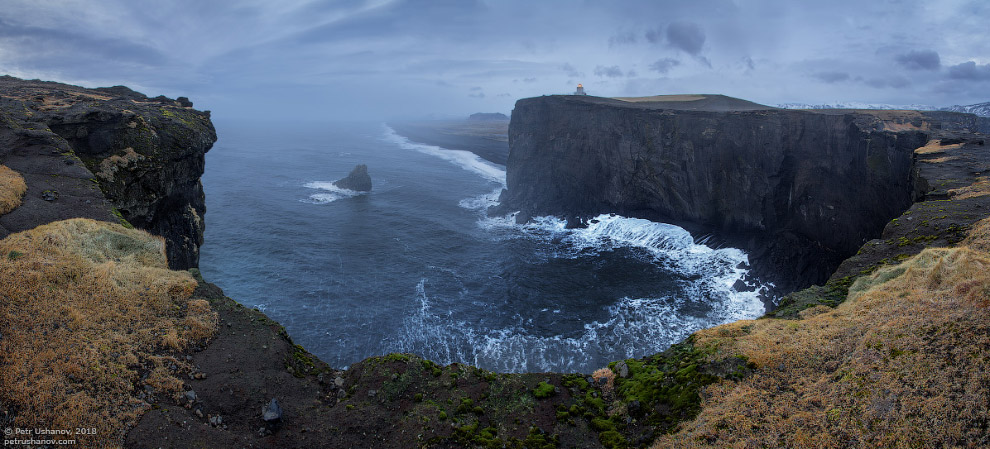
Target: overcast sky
{"x": 389, "y": 59}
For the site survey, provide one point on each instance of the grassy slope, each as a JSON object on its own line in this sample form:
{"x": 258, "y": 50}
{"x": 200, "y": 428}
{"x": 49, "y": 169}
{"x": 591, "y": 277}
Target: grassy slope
{"x": 903, "y": 361}
{"x": 92, "y": 322}
{"x": 12, "y": 188}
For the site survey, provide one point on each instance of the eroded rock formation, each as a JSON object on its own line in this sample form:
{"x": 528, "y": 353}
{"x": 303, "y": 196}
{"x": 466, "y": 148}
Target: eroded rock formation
{"x": 111, "y": 153}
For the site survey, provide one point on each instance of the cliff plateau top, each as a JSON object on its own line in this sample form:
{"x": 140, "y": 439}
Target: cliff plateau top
{"x": 683, "y": 102}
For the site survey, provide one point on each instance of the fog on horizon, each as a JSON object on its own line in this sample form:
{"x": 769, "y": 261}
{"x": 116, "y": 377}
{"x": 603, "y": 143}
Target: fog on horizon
{"x": 396, "y": 59}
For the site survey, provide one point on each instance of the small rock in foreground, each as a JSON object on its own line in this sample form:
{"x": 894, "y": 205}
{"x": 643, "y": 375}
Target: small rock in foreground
{"x": 272, "y": 411}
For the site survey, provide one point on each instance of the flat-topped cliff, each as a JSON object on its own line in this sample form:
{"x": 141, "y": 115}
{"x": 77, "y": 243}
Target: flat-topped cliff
{"x": 107, "y": 153}
{"x": 799, "y": 190}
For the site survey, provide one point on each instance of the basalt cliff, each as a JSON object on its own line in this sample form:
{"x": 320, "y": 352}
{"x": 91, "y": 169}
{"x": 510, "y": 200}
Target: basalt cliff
{"x": 799, "y": 190}
{"x": 109, "y": 154}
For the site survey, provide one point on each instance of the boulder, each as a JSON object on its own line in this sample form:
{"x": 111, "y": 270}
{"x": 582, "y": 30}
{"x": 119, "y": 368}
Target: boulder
{"x": 358, "y": 180}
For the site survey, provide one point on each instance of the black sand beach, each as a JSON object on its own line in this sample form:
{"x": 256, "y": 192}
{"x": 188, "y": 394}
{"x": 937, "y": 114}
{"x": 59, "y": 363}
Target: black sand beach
{"x": 488, "y": 139}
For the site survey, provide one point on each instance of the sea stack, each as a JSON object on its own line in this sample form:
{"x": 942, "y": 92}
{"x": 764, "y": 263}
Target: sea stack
{"x": 358, "y": 180}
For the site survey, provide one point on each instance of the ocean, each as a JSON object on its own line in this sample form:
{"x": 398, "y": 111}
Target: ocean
{"x": 417, "y": 266}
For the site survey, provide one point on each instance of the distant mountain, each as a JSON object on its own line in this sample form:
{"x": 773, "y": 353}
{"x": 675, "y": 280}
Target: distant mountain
{"x": 858, "y": 105}
{"x": 980, "y": 109}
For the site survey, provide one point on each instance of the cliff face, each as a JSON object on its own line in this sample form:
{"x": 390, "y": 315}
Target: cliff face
{"x": 145, "y": 154}
{"x": 799, "y": 190}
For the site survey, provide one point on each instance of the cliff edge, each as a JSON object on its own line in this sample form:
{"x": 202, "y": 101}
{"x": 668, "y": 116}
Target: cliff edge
{"x": 799, "y": 190}
{"x": 109, "y": 154}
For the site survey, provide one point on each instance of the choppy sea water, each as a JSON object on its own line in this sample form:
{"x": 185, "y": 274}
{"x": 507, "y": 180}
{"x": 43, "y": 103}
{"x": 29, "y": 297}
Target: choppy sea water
{"x": 417, "y": 266}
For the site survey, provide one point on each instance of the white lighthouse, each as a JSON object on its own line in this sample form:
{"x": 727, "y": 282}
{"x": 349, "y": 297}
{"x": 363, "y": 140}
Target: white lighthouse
{"x": 580, "y": 90}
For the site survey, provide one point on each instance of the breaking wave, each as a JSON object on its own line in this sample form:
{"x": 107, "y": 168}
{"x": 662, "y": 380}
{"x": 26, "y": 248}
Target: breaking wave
{"x": 329, "y": 192}
{"x": 634, "y": 327}
{"x": 464, "y": 159}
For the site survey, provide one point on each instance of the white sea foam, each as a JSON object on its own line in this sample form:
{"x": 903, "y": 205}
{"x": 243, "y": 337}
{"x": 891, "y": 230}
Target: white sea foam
{"x": 634, "y": 327}
{"x": 329, "y": 192}
{"x": 464, "y": 159}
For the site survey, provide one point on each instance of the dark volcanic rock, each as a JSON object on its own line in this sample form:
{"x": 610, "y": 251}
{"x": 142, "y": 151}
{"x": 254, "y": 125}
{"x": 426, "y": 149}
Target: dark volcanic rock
{"x": 141, "y": 158}
{"x": 800, "y": 191}
{"x": 358, "y": 180}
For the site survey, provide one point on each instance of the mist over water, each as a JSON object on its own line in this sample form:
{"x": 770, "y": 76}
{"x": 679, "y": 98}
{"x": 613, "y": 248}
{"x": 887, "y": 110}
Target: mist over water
{"x": 417, "y": 266}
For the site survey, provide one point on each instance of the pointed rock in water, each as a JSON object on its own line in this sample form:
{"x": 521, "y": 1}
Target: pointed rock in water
{"x": 357, "y": 180}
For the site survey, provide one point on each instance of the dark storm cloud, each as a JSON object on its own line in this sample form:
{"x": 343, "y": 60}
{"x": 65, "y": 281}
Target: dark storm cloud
{"x": 831, "y": 77}
{"x": 371, "y": 57}
{"x": 919, "y": 60}
{"x": 610, "y": 72}
{"x": 970, "y": 71}
{"x": 664, "y": 65}
{"x": 686, "y": 36}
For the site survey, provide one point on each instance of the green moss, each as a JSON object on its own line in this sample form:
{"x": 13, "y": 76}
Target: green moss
{"x": 612, "y": 439}
{"x": 123, "y": 221}
{"x": 14, "y": 255}
{"x": 431, "y": 367}
{"x": 575, "y": 381}
{"x": 543, "y": 390}
{"x": 396, "y": 357}
{"x": 300, "y": 363}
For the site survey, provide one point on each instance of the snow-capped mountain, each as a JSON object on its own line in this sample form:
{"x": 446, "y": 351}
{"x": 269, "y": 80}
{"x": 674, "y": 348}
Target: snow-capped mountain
{"x": 980, "y": 109}
{"x": 858, "y": 105}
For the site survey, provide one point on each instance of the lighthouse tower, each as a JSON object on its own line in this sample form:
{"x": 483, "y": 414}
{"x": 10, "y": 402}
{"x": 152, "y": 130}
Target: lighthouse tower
{"x": 580, "y": 90}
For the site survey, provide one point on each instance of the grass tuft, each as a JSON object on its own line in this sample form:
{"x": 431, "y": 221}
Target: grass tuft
{"x": 91, "y": 320}
{"x": 12, "y": 188}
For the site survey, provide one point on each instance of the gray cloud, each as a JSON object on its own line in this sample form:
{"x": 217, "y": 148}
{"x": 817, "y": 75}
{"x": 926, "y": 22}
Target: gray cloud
{"x": 610, "y": 72}
{"x": 919, "y": 60}
{"x": 897, "y": 82}
{"x": 686, "y": 36}
{"x": 970, "y": 71}
{"x": 378, "y": 58}
{"x": 654, "y": 36}
{"x": 664, "y": 65}
{"x": 748, "y": 63}
{"x": 831, "y": 77}
{"x": 571, "y": 71}
{"x": 622, "y": 38}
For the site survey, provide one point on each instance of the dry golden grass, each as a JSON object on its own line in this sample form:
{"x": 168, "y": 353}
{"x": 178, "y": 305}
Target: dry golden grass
{"x": 935, "y": 146}
{"x": 940, "y": 160}
{"x": 979, "y": 188}
{"x": 608, "y": 375}
{"x": 661, "y": 98}
{"x": 12, "y": 188}
{"x": 110, "y": 165}
{"x": 904, "y": 362}
{"x": 90, "y": 315}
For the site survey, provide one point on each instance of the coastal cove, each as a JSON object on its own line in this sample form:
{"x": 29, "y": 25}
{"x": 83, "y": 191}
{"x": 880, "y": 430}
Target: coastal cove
{"x": 111, "y": 297}
{"x": 418, "y": 266}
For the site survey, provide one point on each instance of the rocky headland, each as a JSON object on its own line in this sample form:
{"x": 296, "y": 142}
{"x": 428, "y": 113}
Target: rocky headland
{"x": 102, "y": 326}
{"x": 800, "y": 191}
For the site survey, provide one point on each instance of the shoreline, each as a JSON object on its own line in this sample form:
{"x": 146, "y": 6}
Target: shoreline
{"x": 487, "y": 139}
